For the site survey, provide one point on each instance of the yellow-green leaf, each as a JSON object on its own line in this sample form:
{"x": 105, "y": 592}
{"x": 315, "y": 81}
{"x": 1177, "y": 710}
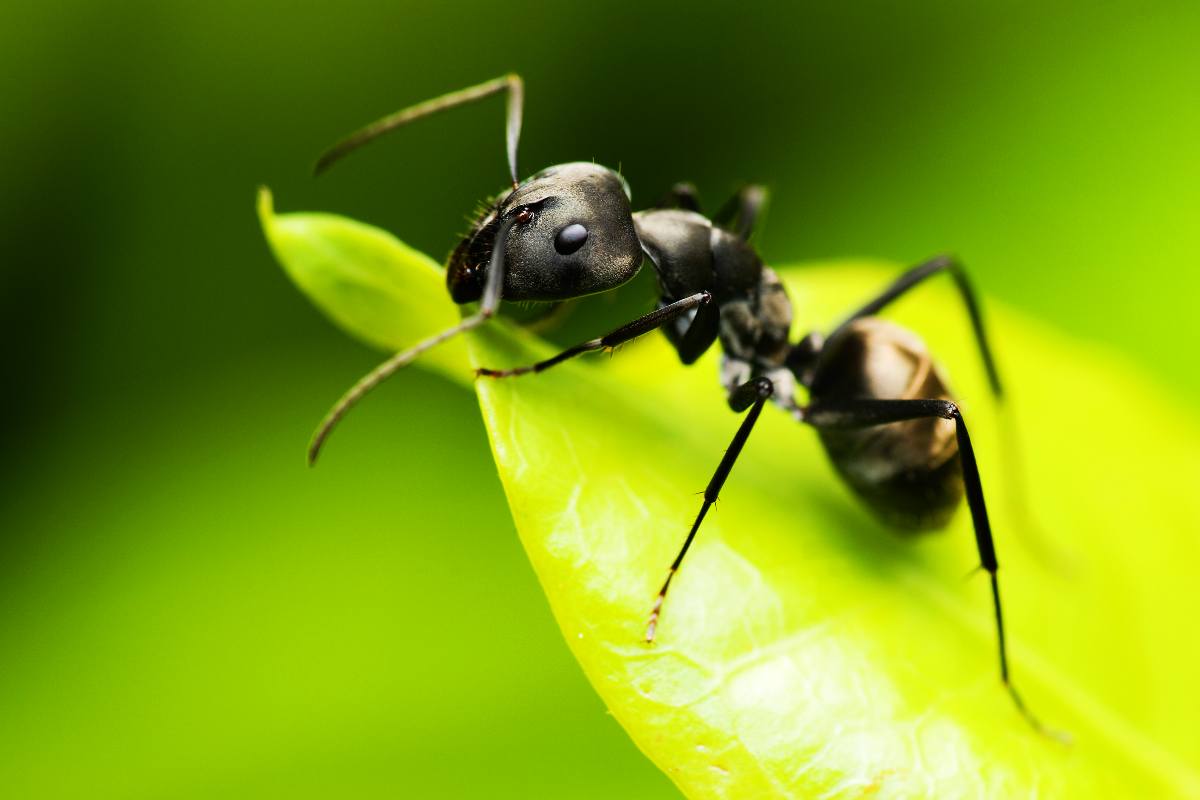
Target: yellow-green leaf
{"x": 807, "y": 651}
{"x": 367, "y": 281}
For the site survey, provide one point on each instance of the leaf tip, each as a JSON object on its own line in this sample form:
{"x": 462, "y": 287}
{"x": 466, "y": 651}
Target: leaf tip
{"x": 265, "y": 204}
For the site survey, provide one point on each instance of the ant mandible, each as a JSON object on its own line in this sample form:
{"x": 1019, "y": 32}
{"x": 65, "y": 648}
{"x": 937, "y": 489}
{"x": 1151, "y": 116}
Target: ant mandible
{"x": 882, "y": 411}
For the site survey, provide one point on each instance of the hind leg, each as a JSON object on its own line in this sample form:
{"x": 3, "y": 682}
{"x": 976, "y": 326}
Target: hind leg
{"x": 851, "y": 414}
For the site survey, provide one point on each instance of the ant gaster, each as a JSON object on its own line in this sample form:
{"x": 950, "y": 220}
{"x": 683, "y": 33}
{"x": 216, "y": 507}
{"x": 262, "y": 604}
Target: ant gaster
{"x": 882, "y": 411}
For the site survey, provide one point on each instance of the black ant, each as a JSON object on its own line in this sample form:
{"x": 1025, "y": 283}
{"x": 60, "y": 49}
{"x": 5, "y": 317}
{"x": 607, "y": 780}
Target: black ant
{"x": 883, "y": 412}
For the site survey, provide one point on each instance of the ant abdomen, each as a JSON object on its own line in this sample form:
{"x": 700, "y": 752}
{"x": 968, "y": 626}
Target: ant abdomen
{"x": 908, "y": 472}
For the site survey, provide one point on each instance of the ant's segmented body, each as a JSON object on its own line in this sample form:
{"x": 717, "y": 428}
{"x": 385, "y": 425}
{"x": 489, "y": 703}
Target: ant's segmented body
{"x": 883, "y": 413}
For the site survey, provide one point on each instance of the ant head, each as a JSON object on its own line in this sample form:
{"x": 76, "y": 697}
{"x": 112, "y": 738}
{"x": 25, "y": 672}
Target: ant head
{"x": 572, "y": 235}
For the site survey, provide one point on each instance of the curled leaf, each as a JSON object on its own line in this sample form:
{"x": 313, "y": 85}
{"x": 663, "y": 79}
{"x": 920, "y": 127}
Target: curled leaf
{"x": 805, "y": 650}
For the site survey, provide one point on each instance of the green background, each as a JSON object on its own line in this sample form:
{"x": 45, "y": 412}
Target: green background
{"x": 186, "y": 611}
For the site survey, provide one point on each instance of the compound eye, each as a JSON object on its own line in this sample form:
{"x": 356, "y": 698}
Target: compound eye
{"x": 570, "y": 239}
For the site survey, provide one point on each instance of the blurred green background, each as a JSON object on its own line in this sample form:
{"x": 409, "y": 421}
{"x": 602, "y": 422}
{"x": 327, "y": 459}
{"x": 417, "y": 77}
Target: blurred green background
{"x": 186, "y": 611}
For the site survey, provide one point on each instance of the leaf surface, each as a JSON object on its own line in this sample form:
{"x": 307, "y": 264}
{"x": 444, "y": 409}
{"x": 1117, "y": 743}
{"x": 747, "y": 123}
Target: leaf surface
{"x": 805, "y": 650}
{"x": 372, "y": 285}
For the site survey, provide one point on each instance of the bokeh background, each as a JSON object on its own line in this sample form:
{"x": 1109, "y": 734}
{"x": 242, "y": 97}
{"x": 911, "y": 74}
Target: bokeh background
{"x": 186, "y": 611}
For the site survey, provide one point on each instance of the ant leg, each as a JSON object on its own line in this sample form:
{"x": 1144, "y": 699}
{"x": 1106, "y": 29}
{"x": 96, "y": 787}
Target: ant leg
{"x": 919, "y": 273}
{"x": 644, "y": 324}
{"x": 682, "y": 195}
{"x": 741, "y": 212}
{"x": 869, "y": 413}
{"x": 692, "y": 337}
{"x": 753, "y": 395}
{"x": 1029, "y": 530}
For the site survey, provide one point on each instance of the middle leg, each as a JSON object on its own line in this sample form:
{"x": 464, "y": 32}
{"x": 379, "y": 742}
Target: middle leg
{"x": 753, "y": 395}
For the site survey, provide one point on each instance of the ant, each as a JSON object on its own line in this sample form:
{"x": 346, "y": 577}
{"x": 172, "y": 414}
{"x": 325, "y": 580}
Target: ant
{"x": 879, "y": 405}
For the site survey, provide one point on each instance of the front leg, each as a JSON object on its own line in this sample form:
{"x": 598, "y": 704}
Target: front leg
{"x": 644, "y": 324}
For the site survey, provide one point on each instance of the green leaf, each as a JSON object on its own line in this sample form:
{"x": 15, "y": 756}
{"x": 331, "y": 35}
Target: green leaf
{"x": 805, "y": 650}
{"x": 367, "y": 281}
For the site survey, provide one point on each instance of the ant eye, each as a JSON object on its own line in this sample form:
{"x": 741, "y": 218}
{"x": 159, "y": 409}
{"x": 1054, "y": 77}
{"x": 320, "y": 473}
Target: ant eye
{"x": 570, "y": 239}
{"x": 524, "y": 216}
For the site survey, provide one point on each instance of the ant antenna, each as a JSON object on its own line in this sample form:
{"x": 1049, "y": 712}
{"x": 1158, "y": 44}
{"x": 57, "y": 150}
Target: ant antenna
{"x": 511, "y": 83}
{"x": 487, "y": 308}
